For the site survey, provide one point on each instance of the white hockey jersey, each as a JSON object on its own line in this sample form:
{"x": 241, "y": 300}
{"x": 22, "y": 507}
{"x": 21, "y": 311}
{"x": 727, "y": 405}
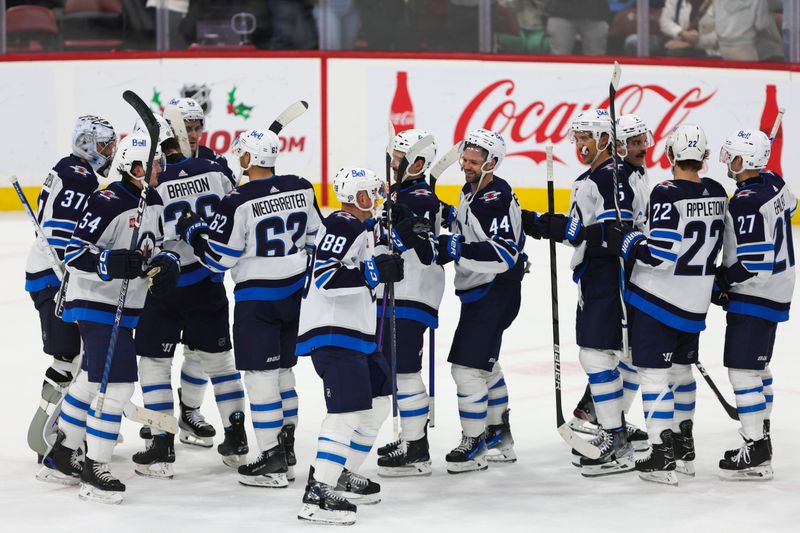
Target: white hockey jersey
{"x": 675, "y": 264}
{"x": 64, "y": 194}
{"x": 758, "y": 243}
{"x": 261, "y": 232}
{"x": 107, "y": 224}
{"x": 190, "y": 185}
{"x": 339, "y": 306}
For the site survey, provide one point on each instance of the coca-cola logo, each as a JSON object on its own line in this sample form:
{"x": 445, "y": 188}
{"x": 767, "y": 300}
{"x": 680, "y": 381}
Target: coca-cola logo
{"x": 536, "y": 122}
{"x": 406, "y": 118}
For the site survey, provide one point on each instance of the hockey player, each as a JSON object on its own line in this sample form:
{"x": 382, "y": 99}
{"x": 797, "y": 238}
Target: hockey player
{"x": 597, "y": 272}
{"x": 98, "y": 259}
{"x": 672, "y": 273}
{"x": 417, "y": 300}
{"x": 64, "y": 194}
{"x": 486, "y": 246}
{"x": 261, "y": 232}
{"x": 758, "y": 278}
{"x": 633, "y": 140}
{"x": 195, "y": 314}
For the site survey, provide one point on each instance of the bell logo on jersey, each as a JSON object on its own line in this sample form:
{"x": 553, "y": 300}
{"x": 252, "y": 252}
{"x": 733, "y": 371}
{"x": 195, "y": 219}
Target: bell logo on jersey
{"x": 139, "y": 142}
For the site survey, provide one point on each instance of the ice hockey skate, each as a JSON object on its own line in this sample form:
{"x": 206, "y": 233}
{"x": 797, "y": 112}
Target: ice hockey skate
{"x": 616, "y": 455}
{"x": 358, "y": 489}
{"x": 61, "y": 465}
{"x": 659, "y": 466}
{"x": 468, "y": 456}
{"x": 195, "y": 430}
{"x": 99, "y": 485}
{"x": 234, "y": 448}
{"x": 267, "y": 470}
{"x": 408, "y": 458}
{"x": 584, "y": 419}
{"x": 287, "y": 436}
{"x": 637, "y": 438}
{"x": 684, "y": 449}
{"x": 751, "y": 462}
{"x": 157, "y": 460}
{"x": 323, "y": 505}
{"x": 499, "y": 441}
{"x": 596, "y": 441}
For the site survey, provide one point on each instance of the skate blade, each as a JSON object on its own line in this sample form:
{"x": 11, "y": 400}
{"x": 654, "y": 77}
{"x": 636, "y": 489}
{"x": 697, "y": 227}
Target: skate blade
{"x": 501, "y": 456}
{"x": 685, "y": 468}
{"x": 664, "y": 477}
{"x": 92, "y": 494}
{"x": 416, "y": 469}
{"x": 313, "y": 513}
{"x": 234, "y": 461}
{"x": 155, "y": 470}
{"x": 608, "y": 469}
{"x": 640, "y": 445}
{"x": 191, "y": 439}
{"x": 49, "y": 475}
{"x": 468, "y": 466}
{"x": 756, "y": 473}
{"x": 360, "y": 499}
{"x": 583, "y": 426}
{"x": 290, "y": 474}
{"x": 269, "y": 481}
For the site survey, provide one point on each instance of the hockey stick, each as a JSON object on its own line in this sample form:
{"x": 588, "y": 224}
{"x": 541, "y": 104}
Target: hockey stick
{"x": 389, "y": 288}
{"x": 612, "y": 94}
{"x": 569, "y": 436}
{"x": 146, "y": 114}
{"x": 777, "y": 125}
{"x": 731, "y": 410}
{"x": 175, "y": 118}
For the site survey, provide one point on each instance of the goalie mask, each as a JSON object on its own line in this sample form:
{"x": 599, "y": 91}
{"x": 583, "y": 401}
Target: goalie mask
{"x": 90, "y": 137}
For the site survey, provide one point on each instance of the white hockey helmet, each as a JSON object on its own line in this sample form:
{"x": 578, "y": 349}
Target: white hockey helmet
{"x": 595, "y": 121}
{"x": 262, "y": 145}
{"x": 200, "y": 93}
{"x": 631, "y": 125}
{"x": 89, "y": 131}
{"x": 133, "y": 149}
{"x": 490, "y": 141}
{"x": 349, "y": 181}
{"x": 164, "y": 128}
{"x": 189, "y": 108}
{"x": 687, "y": 142}
{"x": 403, "y": 142}
{"x": 752, "y": 146}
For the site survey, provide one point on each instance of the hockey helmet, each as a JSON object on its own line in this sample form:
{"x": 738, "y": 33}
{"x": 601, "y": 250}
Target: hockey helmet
{"x": 262, "y": 145}
{"x": 596, "y": 122}
{"x": 349, "y": 181}
{"x": 752, "y": 146}
{"x": 89, "y": 131}
{"x": 687, "y": 142}
{"x": 490, "y": 141}
{"x": 403, "y": 142}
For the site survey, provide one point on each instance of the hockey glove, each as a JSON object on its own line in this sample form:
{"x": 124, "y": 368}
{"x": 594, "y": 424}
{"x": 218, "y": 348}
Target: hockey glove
{"x": 119, "y": 264}
{"x": 384, "y": 268}
{"x": 448, "y": 213}
{"x": 163, "y": 272}
{"x": 530, "y": 224}
{"x": 557, "y": 227}
{"x": 448, "y": 248}
{"x": 622, "y": 240}
{"x": 395, "y": 213}
{"x": 411, "y": 233}
{"x": 190, "y": 226}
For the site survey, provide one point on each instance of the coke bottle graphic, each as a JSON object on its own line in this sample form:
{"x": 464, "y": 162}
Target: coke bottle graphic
{"x": 401, "y": 113}
{"x": 768, "y": 117}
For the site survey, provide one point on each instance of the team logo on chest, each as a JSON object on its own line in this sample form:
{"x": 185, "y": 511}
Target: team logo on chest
{"x": 108, "y": 195}
{"x": 744, "y": 193}
{"x": 345, "y": 214}
{"x": 667, "y": 185}
{"x": 147, "y": 243}
{"x": 83, "y": 171}
{"x": 420, "y": 192}
{"x": 491, "y": 196}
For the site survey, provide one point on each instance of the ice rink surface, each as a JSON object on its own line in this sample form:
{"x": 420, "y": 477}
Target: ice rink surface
{"x": 541, "y": 492}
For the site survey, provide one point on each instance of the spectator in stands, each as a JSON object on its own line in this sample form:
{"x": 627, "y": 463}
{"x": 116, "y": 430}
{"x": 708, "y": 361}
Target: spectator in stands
{"x": 293, "y": 25}
{"x": 689, "y": 27}
{"x": 176, "y": 11}
{"x": 587, "y": 18}
{"x": 338, "y": 24}
{"x": 461, "y": 26}
{"x": 531, "y": 21}
{"x": 746, "y": 30}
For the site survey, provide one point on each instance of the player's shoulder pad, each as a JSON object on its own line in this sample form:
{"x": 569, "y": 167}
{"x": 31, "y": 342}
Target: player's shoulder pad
{"x": 603, "y": 175}
{"x": 342, "y": 223}
{"x": 207, "y": 153}
{"x": 497, "y": 194}
{"x": 71, "y": 167}
{"x": 288, "y": 182}
{"x": 153, "y": 198}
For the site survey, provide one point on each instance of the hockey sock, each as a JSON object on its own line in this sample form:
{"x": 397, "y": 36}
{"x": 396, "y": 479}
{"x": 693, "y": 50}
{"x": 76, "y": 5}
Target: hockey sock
{"x": 498, "y": 396}
{"x": 630, "y": 383}
{"x": 751, "y": 404}
{"x": 288, "y": 397}
{"x": 684, "y": 389}
{"x": 266, "y": 407}
{"x": 227, "y": 382}
{"x": 369, "y": 423}
{"x": 412, "y": 402}
{"x": 658, "y": 401}
{"x": 766, "y": 381}
{"x": 154, "y": 378}
{"x": 102, "y": 433}
{"x": 193, "y": 379}
{"x": 473, "y": 399}
{"x": 334, "y": 445}
{"x": 72, "y": 421}
{"x": 606, "y": 386}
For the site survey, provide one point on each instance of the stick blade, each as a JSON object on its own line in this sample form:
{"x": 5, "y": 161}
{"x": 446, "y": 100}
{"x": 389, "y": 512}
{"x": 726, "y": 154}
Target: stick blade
{"x": 446, "y": 161}
{"x": 617, "y": 74}
{"x": 148, "y": 417}
{"x": 289, "y": 114}
{"x": 578, "y": 443}
{"x": 173, "y": 115}
{"x": 549, "y": 151}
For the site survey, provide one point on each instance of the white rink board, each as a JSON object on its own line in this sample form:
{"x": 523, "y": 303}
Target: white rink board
{"x": 542, "y": 492}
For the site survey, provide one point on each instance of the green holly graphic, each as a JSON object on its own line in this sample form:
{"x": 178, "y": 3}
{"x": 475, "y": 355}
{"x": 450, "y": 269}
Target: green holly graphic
{"x": 237, "y": 109}
{"x": 155, "y": 101}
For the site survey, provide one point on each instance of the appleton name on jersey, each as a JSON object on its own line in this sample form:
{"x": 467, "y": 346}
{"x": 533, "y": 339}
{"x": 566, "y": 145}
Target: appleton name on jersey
{"x": 758, "y": 243}
{"x": 592, "y": 201}
{"x": 190, "y": 184}
{"x": 107, "y": 223}
{"x": 674, "y": 273}
{"x": 418, "y": 295}
{"x": 491, "y": 223}
{"x": 339, "y": 307}
{"x": 64, "y": 195}
{"x": 261, "y": 232}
